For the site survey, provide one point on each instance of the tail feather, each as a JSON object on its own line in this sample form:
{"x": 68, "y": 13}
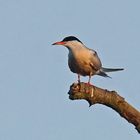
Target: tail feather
{"x": 111, "y": 69}
{"x": 102, "y": 73}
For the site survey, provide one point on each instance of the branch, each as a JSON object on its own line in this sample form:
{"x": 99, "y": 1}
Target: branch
{"x": 95, "y": 95}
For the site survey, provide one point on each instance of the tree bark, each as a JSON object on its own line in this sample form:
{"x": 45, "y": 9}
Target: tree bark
{"x": 95, "y": 95}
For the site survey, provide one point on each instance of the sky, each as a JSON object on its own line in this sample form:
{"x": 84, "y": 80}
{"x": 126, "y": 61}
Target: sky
{"x": 35, "y": 78}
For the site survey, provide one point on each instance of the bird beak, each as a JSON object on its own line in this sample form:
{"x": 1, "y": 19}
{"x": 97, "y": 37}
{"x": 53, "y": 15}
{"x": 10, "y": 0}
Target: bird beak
{"x": 59, "y": 43}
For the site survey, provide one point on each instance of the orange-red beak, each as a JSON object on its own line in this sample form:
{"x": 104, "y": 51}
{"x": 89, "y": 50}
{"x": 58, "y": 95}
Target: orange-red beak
{"x": 59, "y": 43}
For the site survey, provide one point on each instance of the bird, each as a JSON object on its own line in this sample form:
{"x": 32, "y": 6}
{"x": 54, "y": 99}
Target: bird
{"x": 82, "y": 60}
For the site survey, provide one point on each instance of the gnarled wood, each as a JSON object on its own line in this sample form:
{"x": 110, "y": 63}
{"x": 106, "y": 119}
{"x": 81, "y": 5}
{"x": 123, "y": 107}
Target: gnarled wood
{"x": 95, "y": 95}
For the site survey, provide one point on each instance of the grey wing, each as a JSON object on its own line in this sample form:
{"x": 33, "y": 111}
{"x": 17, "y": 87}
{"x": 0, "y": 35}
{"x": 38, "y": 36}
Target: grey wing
{"x": 95, "y": 60}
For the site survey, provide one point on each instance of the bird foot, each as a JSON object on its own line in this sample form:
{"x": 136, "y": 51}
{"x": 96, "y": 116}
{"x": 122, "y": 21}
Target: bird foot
{"x": 79, "y": 81}
{"x": 89, "y": 84}
{"x": 87, "y": 90}
{"x": 86, "y": 87}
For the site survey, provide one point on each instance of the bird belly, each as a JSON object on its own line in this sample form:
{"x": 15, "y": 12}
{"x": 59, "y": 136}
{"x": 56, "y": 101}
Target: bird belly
{"x": 80, "y": 67}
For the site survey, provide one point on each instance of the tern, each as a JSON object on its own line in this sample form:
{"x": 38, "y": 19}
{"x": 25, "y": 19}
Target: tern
{"x": 82, "y": 60}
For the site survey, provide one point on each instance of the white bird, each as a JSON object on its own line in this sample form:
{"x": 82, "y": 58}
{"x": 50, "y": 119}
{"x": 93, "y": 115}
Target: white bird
{"x": 82, "y": 60}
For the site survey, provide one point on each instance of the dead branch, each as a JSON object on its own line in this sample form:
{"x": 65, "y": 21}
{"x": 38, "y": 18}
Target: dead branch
{"x": 95, "y": 95}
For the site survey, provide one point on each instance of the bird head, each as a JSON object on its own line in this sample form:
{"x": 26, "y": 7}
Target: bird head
{"x": 69, "y": 42}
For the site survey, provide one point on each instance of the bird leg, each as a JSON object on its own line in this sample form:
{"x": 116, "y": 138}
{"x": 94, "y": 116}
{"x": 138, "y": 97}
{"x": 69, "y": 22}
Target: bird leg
{"x": 78, "y": 78}
{"x": 89, "y": 80}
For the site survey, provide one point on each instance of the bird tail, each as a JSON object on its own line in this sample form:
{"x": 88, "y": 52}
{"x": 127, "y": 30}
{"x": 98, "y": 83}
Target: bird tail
{"x": 102, "y": 71}
{"x": 111, "y": 69}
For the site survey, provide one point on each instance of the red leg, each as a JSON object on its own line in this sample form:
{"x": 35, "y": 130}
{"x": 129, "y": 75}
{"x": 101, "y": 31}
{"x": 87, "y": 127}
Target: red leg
{"x": 78, "y": 78}
{"x": 88, "y": 84}
{"x": 89, "y": 80}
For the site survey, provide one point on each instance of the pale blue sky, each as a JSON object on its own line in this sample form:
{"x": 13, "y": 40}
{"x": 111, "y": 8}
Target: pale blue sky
{"x": 35, "y": 78}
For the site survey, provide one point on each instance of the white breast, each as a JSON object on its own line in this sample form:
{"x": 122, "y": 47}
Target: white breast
{"x": 81, "y": 61}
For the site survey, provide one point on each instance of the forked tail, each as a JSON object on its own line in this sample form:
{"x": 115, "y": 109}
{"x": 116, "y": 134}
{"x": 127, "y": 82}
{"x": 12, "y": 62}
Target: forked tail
{"x": 111, "y": 69}
{"x": 102, "y": 71}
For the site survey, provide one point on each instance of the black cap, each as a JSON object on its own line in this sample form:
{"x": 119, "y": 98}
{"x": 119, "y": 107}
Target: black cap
{"x": 71, "y": 38}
